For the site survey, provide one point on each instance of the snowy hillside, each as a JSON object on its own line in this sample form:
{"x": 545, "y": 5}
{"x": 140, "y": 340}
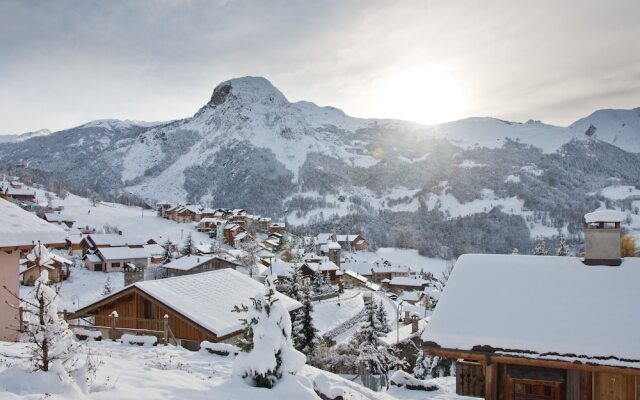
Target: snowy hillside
{"x": 249, "y": 147}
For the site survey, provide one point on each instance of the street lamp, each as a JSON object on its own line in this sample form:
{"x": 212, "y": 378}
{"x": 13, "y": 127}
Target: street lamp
{"x": 398, "y": 323}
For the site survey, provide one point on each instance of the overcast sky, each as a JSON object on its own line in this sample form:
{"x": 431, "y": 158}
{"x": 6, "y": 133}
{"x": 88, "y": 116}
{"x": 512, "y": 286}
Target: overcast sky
{"x": 63, "y": 63}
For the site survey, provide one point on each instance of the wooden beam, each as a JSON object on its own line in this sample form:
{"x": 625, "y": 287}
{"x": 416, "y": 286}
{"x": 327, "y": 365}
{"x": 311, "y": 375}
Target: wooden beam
{"x": 527, "y": 361}
{"x": 491, "y": 382}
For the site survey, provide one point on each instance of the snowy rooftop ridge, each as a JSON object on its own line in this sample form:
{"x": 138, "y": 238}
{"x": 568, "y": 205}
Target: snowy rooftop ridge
{"x": 540, "y": 305}
{"x": 21, "y": 228}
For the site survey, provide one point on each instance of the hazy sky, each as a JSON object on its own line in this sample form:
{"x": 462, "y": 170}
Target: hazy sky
{"x": 63, "y": 63}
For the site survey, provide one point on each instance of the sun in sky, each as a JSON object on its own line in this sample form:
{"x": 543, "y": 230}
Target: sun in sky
{"x": 424, "y": 93}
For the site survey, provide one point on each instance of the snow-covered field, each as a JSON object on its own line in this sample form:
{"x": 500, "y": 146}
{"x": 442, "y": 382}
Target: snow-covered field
{"x": 167, "y": 373}
{"x": 132, "y": 221}
{"x": 401, "y": 257}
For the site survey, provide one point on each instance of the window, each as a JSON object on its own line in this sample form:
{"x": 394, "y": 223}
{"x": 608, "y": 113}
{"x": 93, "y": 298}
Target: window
{"x": 115, "y": 265}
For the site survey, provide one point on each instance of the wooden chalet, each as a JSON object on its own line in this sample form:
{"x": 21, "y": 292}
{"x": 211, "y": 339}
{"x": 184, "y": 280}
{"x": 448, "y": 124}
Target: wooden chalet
{"x": 91, "y": 242}
{"x": 234, "y": 234}
{"x": 161, "y": 208}
{"x": 189, "y": 265}
{"x": 323, "y": 266}
{"x": 56, "y": 266}
{"x": 402, "y": 284}
{"x": 16, "y": 191}
{"x": 350, "y": 242}
{"x": 199, "y": 306}
{"x": 542, "y": 327}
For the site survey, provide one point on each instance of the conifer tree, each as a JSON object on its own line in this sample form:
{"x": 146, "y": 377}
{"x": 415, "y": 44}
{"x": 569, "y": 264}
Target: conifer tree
{"x": 540, "y": 248}
{"x": 166, "y": 255}
{"x": 188, "y": 249}
{"x": 108, "y": 287}
{"x": 563, "y": 249}
{"x": 383, "y": 320}
{"x": 268, "y": 351}
{"x": 304, "y": 332}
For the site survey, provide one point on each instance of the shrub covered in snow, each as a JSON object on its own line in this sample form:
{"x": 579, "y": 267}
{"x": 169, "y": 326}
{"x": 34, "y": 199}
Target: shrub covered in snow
{"x": 268, "y": 350}
{"x": 139, "y": 340}
{"x": 221, "y": 349}
{"x": 402, "y": 379}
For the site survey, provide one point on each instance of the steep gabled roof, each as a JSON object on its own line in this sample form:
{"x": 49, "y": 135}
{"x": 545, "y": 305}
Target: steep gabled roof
{"x": 205, "y": 299}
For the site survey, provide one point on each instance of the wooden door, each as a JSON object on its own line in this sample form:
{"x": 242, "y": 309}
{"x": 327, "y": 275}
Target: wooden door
{"x": 613, "y": 386}
{"x": 527, "y": 389}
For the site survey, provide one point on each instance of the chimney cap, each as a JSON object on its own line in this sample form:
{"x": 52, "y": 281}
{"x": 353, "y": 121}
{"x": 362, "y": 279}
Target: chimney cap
{"x": 604, "y": 216}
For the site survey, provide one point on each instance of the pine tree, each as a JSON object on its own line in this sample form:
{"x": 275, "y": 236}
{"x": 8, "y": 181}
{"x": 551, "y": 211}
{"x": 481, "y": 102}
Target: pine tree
{"x": 108, "y": 287}
{"x": 268, "y": 351}
{"x": 563, "y": 249}
{"x": 188, "y": 249}
{"x": 304, "y": 332}
{"x": 383, "y": 320}
{"x": 52, "y": 342}
{"x": 419, "y": 370}
{"x": 540, "y": 248}
{"x": 166, "y": 255}
{"x": 292, "y": 287}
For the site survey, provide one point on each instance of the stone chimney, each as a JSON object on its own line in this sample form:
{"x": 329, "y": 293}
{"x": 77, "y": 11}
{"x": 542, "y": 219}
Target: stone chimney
{"x": 132, "y": 274}
{"x": 602, "y": 237}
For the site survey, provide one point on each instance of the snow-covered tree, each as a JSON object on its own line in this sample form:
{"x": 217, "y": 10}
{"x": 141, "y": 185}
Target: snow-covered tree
{"x": 304, "y": 332}
{"x": 540, "y": 247}
{"x": 166, "y": 254}
{"x": 419, "y": 370}
{"x": 383, "y": 320}
{"x": 249, "y": 258}
{"x": 563, "y": 249}
{"x": 188, "y": 248}
{"x": 515, "y": 251}
{"x": 292, "y": 285}
{"x": 108, "y": 287}
{"x": 52, "y": 343}
{"x": 268, "y": 352}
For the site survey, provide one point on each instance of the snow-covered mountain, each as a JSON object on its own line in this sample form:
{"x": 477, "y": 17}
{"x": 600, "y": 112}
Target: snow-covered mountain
{"x": 250, "y": 147}
{"x": 24, "y": 136}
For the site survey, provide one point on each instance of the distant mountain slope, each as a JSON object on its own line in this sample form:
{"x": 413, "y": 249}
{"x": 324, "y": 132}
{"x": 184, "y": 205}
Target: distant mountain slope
{"x": 250, "y": 147}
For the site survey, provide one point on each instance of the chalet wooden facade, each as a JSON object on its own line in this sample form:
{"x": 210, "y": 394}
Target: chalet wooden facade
{"x": 199, "y": 306}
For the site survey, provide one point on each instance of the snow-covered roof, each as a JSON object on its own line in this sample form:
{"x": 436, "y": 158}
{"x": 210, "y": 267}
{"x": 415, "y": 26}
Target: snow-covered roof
{"x": 93, "y": 258}
{"x": 604, "y": 216}
{"x": 322, "y": 266}
{"x": 363, "y": 280}
{"x": 21, "y": 228}
{"x": 334, "y": 246}
{"x": 411, "y": 295}
{"x": 112, "y": 239}
{"x": 541, "y": 305}
{"x": 406, "y": 281}
{"x": 212, "y": 220}
{"x": 154, "y": 249}
{"x": 123, "y": 253}
{"x": 209, "y": 297}
{"x": 279, "y": 268}
{"x": 188, "y": 262}
{"x": 58, "y": 217}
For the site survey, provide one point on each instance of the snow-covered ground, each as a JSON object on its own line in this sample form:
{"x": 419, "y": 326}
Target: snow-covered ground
{"x": 328, "y": 315}
{"x": 167, "y": 373}
{"x": 132, "y": 221}
{"x": 83, "y": 287}
{"x": 400, "y": 257}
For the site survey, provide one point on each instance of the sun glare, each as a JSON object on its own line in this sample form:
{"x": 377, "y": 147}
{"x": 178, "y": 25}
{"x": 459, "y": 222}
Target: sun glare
{"x": 425, "y": 93}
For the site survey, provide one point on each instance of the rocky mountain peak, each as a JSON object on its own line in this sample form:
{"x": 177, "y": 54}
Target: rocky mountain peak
{"x": 248, "y": 89}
